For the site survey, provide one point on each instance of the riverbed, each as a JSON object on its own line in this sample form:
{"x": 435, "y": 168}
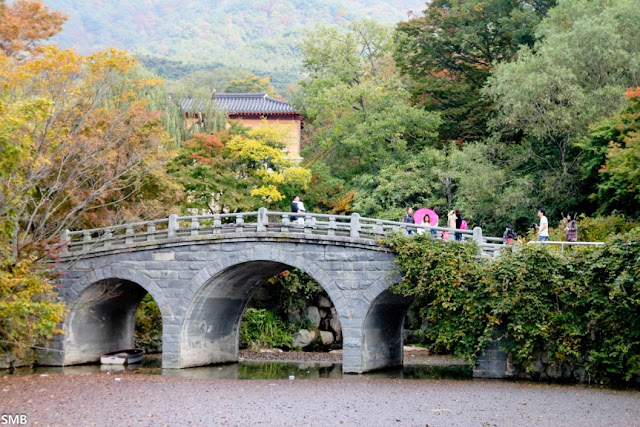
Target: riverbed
{"x": 292, "y": 389}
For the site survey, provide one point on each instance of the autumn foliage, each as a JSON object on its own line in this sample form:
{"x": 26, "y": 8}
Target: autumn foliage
{"x": 24, "y": 24}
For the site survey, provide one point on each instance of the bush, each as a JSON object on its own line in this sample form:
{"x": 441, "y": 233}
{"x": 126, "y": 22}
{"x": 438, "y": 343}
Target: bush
{"x": 29, "y": 310}
{"x": 148, "y": 329}
{"x": 580, "y": 307}
{"x": 261, "y": 328}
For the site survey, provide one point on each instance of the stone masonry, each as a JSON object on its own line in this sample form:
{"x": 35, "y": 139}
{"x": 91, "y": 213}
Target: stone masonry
{"x": 202, "y": 285}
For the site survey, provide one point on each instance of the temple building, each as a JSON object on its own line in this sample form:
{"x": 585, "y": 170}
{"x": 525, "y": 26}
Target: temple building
{"x": 250, "y": 109}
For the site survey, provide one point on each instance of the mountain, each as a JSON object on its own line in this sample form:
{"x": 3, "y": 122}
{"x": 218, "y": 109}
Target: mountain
{"x": 176, "y": 37}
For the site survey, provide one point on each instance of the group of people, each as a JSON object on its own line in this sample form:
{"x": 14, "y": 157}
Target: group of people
{"x": 454, "y": 220}
{"x": 569, "y": 222}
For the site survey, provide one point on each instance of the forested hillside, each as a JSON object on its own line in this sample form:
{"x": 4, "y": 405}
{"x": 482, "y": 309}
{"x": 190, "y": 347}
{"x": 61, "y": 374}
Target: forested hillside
{"x": 259, "y": 36}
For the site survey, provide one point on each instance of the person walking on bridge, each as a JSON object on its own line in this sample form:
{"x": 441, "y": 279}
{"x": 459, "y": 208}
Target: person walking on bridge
{"x": 408, "y": 219}
{"x": 543, "y": 228}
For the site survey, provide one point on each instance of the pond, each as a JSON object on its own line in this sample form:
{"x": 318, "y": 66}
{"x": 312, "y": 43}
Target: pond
{"x": 248, "y": 370}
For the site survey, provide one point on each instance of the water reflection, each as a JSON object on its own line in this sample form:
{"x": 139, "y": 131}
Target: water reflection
{"x": 246, "y": 370}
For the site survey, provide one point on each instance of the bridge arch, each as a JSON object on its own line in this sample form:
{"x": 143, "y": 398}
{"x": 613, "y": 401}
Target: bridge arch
{"x": 210, "y": 330}
{"x": 102, "y": 308}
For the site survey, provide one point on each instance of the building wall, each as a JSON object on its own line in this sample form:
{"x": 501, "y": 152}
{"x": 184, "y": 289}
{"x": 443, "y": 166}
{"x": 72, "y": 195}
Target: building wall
{"x": 295, "y": 124}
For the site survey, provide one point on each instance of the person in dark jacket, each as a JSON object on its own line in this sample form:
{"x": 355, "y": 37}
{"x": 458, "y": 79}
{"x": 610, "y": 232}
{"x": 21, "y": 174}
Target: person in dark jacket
{"x": 408, "y": 218}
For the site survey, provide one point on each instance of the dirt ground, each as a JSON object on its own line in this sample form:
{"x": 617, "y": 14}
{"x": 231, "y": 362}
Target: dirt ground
{"x": 133, "y": 399}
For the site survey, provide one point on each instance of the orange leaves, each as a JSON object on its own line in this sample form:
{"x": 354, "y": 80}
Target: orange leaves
{"x": 633, "y": 93}
{"x": 25, "y": 23}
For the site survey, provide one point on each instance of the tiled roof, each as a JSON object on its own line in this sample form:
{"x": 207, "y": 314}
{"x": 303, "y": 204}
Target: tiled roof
{"x": 240, "y": 103}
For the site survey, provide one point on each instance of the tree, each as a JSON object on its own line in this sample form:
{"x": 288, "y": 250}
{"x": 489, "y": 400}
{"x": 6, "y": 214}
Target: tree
{"x": 451, "y": 50}
{"x": 470, "y": 178}
{"x": 237, "y": 170}
{"x": 82, "y": 144}
{"x": 251, "y": 84}
{"x": 356, "y": 105}
{"x": 576, "y": 74}
{"x": 24, "y": 24}
{"x": 611, "y": 159}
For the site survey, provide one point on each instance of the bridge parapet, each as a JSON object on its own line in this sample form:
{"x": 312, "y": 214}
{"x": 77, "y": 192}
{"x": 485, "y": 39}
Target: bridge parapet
{"x": 262, "y": 221}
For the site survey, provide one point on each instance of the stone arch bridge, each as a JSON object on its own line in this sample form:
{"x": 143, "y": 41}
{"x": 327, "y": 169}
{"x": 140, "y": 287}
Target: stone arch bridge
{"x": 202, "y": 271}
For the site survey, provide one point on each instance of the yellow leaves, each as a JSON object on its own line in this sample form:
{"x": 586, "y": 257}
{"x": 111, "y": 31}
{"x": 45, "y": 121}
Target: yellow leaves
{"x": 298, "y": 175}
{"x": 268, "y": 192}
{"x": 261, "y": 151}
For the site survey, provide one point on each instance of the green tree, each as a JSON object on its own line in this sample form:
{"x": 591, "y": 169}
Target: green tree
{"x": 470, "y": 178}
{"x": 611, "y": 159}
{"x": 251, "y": 83}
{"x": 576, "y": 74}
{"x": 356, "y": 105}
{"x": 451, "y": 50}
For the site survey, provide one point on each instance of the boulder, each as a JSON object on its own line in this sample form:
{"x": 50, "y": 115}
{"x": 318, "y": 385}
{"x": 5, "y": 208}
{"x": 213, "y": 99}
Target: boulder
{"x": 293, "y": 317}
{"x": 313, "y": 314}
{"x": 303, "y": 338}
{"x": 335, "y": 324}
{"x": 324, "y": 302}
{"x": 261, "y": 294}
{"x": 327, "y": 337}
{"x": 323, "y": 312}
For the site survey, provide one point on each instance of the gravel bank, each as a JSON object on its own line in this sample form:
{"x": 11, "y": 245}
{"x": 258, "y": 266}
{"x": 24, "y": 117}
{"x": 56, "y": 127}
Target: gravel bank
{"x": 411, "y": 357}
{"x": 143, "y": 400}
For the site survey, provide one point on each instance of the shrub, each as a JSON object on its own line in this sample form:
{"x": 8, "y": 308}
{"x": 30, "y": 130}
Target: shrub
{"x": 148, "y": 329}
{"x": 579, "y": 307}
{"x": 261, "y": 328}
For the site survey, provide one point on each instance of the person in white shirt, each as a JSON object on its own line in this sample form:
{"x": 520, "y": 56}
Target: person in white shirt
{"x": 543, "y": 228}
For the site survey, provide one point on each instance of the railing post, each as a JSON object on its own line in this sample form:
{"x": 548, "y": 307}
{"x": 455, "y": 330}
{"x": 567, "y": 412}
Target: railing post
{"x": 151, "y": 229}
{"x": 65, "y": 242}
{"x": 128, "y": 236}
{"x": 378, "y": 229}
{"x": 477, "y": 237}
{"x": 285, "y": 223}
{"x": 239, "y": 223}
{"x": 263, "y": 219}
{"x": 332, "y": 226}
{"x": 354, "y": 228}
{"x": 217, "y": 224}
{"x": 308, "y": 224}
{"x": 173, "y": 226}
{"x": 195, "y": 225}
{"x": 86, "y": 238}
{"x": 107, "y": 238}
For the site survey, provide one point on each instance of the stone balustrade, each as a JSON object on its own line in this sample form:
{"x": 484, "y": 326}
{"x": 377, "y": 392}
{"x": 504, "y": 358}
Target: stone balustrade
{"x": 354, "y": 227}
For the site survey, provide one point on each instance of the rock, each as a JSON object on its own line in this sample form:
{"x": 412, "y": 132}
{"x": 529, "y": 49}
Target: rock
{"x": 552, "y": 371}
{"x": 327, "y": 337}
{"x": 324, "y": 302}
{"x": 261, "y": 294}
{"x": 313, "y": 314}
{"x": 335, "y": 325}
{"x": 293, "y": 317}
{"x": 411, "y": 348}
{"x": 303, "y": 338}
{"x": 323, "y": 313}
{"x": 335, "y": 352}
{"x": 544, "y": 358}
{"x": 538, "y": 367}
{"x": 271, "y": 350}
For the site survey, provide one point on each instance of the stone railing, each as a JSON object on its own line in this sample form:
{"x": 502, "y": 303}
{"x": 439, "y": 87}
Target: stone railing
{"x": 262, "y": 221}
{"x": 563, "y": 244}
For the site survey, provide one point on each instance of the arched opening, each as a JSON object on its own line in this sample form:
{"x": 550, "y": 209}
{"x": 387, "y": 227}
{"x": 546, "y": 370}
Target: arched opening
{"x": 382, "y": 334}
{"x": 103, "y": 320}
{"x": 211, "y": 329}
{"x": 290, "y": 311}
